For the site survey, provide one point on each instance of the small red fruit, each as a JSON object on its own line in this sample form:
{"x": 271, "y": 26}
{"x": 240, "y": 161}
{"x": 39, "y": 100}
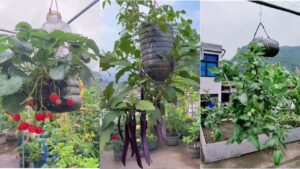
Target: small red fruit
{"x": 70, "y": 102}
{"x": 115, "y": 137}
{"x": 31, "y": 128}
{"x": 40, "y": 116}
{"x": 16, "y": 117}
{"x": 23, "y": 126}
{"x": 49, "y": 115}
{"x": 7, "y": 113}
{"x": 58, "y": 102}
{"x": 30, "y": 103}
{"x": 39, "y": 130}
{"x": 53, "y": 97}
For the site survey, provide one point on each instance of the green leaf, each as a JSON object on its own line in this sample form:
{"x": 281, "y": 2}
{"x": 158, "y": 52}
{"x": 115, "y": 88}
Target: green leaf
{"x": 12, "y": 103}
{"x": 92, "y": 45}
{"x": 243, "y": 98}
{"x": 169, "y": 94}
{"x": 23, "y": 26}
{"x": 121, "y": 73}
{"x": 6, "y": 56}
{"x": 255, "y": 141}
{"x": 11, "y": 85}
{"x": 277, "y": 157}
{"x": 272, "y": 142}
{"x": 108, "y": 92}
{"x": 155, "y": 114}
{"x": 106, "y": 135}
{"x": 217, "y": 134}
{"x": 237, "y": 132}
{"x": 144, "y": 105}
{"x": 59, "y": 72}
{"x": 121, "y": 63}
{"x": 109, "y": 118}
{"x": 214, "y": 70}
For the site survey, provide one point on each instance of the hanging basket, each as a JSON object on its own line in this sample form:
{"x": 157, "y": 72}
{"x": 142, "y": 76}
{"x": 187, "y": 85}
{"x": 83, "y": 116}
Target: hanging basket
{"x": 270, "y": 47}
{"x": 69, "y": 92}
{"x": 155, "y": 45}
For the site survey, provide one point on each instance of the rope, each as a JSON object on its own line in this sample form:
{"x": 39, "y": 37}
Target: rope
{"x": 260, "y": 24}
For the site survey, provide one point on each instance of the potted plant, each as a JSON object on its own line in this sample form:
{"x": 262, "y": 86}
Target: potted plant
{"x": 192, "y": 139}
{"x": 117, "y": 147}
{"x": 174, "y": 124}
{"x": 36, "y": 73}
{"x": 152, "y": 141}
{"x": 33, "y": 152}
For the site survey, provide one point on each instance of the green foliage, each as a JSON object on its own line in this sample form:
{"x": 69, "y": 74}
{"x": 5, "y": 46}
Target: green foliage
{"x": 193, "y": 134}
{"x": 263, "y": 101}
{"x": 32, "y": 58}
{"x": 33, "y": 150}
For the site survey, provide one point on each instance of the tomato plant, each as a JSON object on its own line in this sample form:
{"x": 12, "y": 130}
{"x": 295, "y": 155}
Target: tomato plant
{"x": 263, "y": 101}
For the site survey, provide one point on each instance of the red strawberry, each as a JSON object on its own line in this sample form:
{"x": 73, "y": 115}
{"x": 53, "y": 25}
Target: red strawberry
{"x": 70, "y": 102}
{"x": 40, "y": 116}
{"x": 30, "y": 103}
{"x": 39, "y": 130}
{"x": 23, "y": 126}
{"x": 53, "y": 97}
{"x": 16, "y": 117}
{"x": 115, "y": 137}
{"x": 58, "y": 102}
{"x": 31, "y": 128}
{"x": 49, "y": 115}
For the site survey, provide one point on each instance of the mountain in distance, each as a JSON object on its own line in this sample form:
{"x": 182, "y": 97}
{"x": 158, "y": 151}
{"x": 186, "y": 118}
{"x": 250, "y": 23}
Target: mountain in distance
{"x": 288, "y": 56}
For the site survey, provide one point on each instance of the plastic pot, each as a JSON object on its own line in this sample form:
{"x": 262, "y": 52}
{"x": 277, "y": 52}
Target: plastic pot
{"x": 270, "y": 47}
{"x": 153, "y": 145}
{"x": 194, "y": 152}
{"x": 172, "y": 140}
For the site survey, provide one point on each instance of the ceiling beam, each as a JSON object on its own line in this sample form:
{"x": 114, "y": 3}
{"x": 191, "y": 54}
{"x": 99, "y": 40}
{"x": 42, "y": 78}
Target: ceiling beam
{"x": 276, "y": 7}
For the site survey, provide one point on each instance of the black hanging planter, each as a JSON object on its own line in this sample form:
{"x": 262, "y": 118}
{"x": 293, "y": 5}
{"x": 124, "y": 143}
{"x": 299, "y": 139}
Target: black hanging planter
{"x": 155, "y": 44}
{"x": 69, "y": 92}
{"x": 270, "y": 47}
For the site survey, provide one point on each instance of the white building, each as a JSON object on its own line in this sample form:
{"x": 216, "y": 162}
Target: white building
{"x": 210, "y": 56}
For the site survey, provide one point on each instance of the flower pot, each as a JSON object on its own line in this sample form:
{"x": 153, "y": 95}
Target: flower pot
{"x": 10, "y": 136}
{"x": 117, "y": 155}
{"x": 172, "y": 140}
{"x": 154, "y": 45}
{"x": 270, "y": 46}
{"x": 153, "y": 145}
{"x": 194, "y": 152}
{"x": 68, "y": 89}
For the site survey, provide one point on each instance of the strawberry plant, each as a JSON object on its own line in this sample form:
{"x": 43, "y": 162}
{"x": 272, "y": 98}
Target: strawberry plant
{"x": 140, "y": 96}
{"x": 263, "y": 101}
{"x": 34, "y": 73}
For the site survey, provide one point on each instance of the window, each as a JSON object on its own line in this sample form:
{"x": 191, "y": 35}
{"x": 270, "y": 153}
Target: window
{"x": 208, "y": 61}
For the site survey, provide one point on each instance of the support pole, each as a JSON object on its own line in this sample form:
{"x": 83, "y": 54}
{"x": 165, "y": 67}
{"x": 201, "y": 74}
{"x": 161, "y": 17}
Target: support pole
{"x": 270, "y": 5}
{"x": 82, "y": 11}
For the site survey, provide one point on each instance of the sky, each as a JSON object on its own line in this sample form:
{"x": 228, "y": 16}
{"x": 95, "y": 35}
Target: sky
{"x": 35, "y": 11}
{"x": 109, "y": 28}
{"x": 232, "y": 24}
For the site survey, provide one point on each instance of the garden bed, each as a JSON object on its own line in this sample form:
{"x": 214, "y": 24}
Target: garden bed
{"x": 215, "y": 151}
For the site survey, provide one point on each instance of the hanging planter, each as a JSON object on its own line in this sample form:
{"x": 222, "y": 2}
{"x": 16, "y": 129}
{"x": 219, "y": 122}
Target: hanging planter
{"x": 269, "y": 47}
{"x": 156, "y": 47}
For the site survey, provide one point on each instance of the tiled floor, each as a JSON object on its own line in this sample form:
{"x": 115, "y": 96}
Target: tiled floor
{"x": 165, "y": 157}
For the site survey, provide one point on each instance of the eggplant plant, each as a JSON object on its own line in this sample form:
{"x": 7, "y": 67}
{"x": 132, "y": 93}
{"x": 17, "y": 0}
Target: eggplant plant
{"x": 34, "y": 73}
{"x": 140, "y": 97}
{"x": 263, "y": 102}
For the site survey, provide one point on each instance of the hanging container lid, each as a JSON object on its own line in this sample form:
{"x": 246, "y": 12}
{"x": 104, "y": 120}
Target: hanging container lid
{"x": 54, "y": 21}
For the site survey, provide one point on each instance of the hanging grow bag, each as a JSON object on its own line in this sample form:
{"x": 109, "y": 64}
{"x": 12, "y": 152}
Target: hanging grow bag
{"x": 156, "y": 47}
{"x": 269, "y": 46}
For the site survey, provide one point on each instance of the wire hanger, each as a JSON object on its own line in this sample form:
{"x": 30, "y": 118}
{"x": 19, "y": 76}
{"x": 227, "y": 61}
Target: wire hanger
{"x": 50, "y": 8}
{"x": 260, "y": 24}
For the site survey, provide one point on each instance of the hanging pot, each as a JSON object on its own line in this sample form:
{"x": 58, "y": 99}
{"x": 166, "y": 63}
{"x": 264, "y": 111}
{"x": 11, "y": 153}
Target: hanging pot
{"x": 155, "y": 45}
{"x": 269, "y": 46}
{"x": 68, "y": 90}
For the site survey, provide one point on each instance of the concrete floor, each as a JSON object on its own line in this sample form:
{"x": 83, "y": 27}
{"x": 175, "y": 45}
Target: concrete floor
{"x": 260, "y": 159}
{"x": 164, "y": 157}
{"x": 8, "y": 155}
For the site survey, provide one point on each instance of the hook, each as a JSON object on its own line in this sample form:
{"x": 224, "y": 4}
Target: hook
{"x": 260, "y": 13}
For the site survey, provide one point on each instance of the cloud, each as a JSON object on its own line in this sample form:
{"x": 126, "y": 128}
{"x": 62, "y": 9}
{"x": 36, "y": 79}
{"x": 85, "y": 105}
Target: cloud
{"x": 232, "y": 24}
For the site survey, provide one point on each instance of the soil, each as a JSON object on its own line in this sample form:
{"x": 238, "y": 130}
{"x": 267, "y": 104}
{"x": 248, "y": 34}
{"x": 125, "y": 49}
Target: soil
{"x": 226, "y": 130}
